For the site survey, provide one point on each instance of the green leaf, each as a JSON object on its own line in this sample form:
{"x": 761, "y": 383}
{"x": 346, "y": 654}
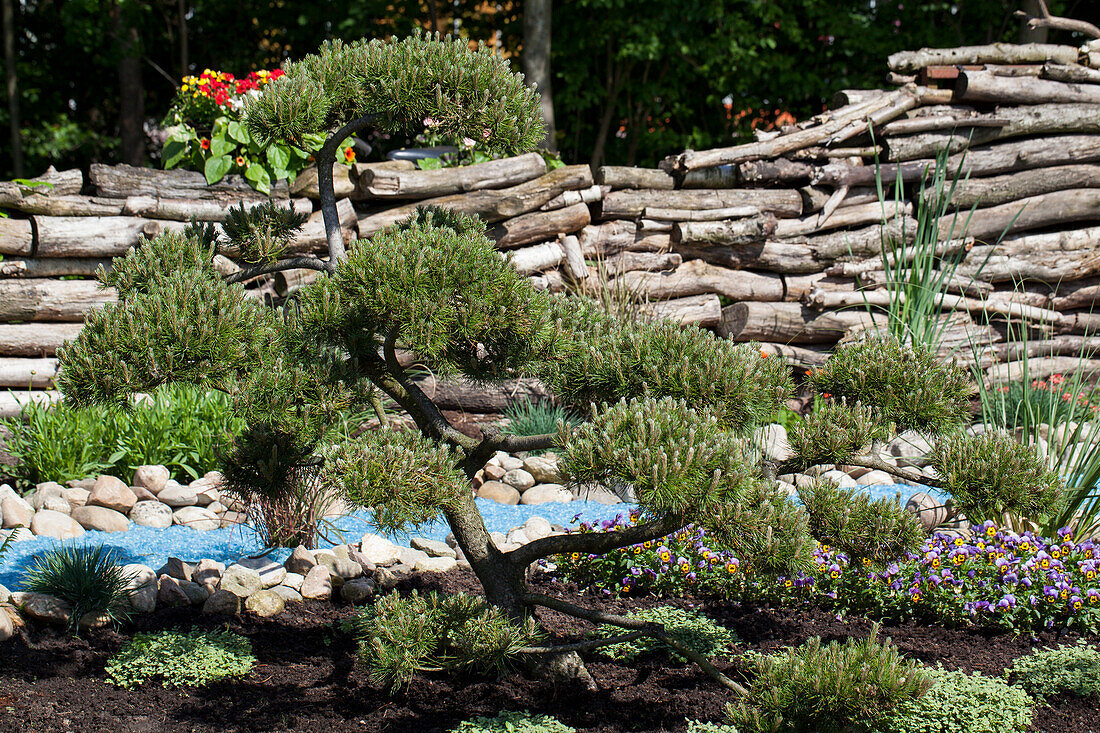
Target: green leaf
{"x": 221, "y": 146}
{"x": 173, "y": 153}
{"x": 216, "y": 168}
{"x": 429, "y": 164}
{"x": 239, "y": 132}
{"x": 117, "y": 456}
{"x": 258, "y": 176}
{"x": 279, "y": 158}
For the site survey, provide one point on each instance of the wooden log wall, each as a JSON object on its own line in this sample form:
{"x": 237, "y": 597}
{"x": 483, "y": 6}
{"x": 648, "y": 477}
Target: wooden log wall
{"x": 779, "y": 240}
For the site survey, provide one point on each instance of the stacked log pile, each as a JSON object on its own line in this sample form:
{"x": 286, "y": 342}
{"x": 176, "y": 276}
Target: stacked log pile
{"x": 778, "y": 241}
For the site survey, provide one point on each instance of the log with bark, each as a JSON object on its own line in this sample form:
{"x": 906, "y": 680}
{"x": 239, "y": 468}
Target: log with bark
{"x": 1070, "y": 73}
{"x": 1057, "y": 208}
{"x": 619, "y": 177}
{"x": 791, "y": 323}
{"x": 185, "y": 210}
{"x": 1002, "y": 189}
{"x": 799, "y": 356}
{"x": 733, "y": 233}
{"x": 311, "y": 237}
{"x": 721, "y": 176}
{"x": 1077, "y": 346}
{"x": 122, "y": 181}
{"x": 345, "y": 179}
{"x": 1048, "y": 257}
{"x": 777, "y": 171}
{"x": 12, "y": 403}
{"x": 56, "y": 267}
{"x": 536, "y": 258}
{"x": 540, "y": 225}
{"x": 27, "y": 373}
{"x": 896, "y": 258}
{"x": 35, "y": 339}
{"x": 51, "y": 300}
{"x": 1080, "y": 322}
{"x": 633, "y": 204}
{"x": 626, "y": 262}
{"x": 851, "y": 216}
{"x": 609, "y": 238}
{"x": 287, "y": 282}
{"x": 588, "y": 195}
{"x": 704, "y": 311}
{"x": 1042, "y": 367}
{"x": 983, "y": 86}
{"x": 391, "y": 183}
{"x": 95, "y": 236}
{"x": 909, "y": 62}
{"x": 698, "y": 277}
{"x": 38, "y": 203}
{"x": 648, "y": 242}
{"x": 1078, "y": 294}
{"x": 16, "y": 237}
{"x": 659, "y": 213}
{"x": 574, "y": 265}
{"x": 491, "y": 206}
{"x": 654, "y": 226}
{"x": 996, "y": 304}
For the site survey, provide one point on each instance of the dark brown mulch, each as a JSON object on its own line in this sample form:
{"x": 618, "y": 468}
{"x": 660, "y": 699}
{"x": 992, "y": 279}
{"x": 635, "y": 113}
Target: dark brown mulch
{"x": 306, "y": 679}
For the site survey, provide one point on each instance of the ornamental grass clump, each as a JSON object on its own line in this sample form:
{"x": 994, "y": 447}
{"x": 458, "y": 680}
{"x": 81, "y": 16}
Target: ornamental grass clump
{"x": 87, "y": 578}
{"x": 177, "y": 659}
{"x": 669, "y": 411}
{"x": 829, "y": 688}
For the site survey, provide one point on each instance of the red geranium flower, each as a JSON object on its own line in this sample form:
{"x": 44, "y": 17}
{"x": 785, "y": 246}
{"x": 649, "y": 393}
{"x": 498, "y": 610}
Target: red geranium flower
{"x": 349, "y": 155}
{"x": 204, "y": 143}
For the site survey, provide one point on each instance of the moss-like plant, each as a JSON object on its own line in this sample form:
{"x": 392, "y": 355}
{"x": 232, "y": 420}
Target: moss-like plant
{"x": 513, "y": 722}
{"x": 176, "y": 659}
{"x": 962, "y": 703}
{"x": 688, "y": 627}
{"x": 1068, "y": 668}
{"x": 832, "y": 688}
{"x": 398, "y": 637}
{"x": 699, "y": 726}
{"x": 87, "y": 578}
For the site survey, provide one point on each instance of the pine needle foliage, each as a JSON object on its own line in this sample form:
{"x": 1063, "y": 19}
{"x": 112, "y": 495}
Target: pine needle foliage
{"x": 829, "y": 688}
{"x": 400, "y": 636}
{"x": 369, "y": 467}
{"x": 877, "y": 530}
{"x": 87, "y": 578}
{"x": 152, "y": 261}
{"x": 834, "y": 432}
{"x": 763, "y": 528}
{"x": 261, "y": 233}
{"x": 602, "y": 358}
{"x": 907, "y": 384}
{"x": 992, "y": 473}
{"x": 404, "y": 82}
{"x": 680, "y": 461}
{"x": 447, "y": 292}
{"x": 691, "y": 628}
{"x": 175, "y": 659}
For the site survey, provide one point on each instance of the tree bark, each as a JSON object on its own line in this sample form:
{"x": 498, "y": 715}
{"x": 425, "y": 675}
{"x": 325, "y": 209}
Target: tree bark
{"x": 187, "y": 209}
{"x": 1058, "y": 208}
{"x": 1003, "y": 189}
{"x": 16, "y": 237}
{"x": 44, "y": 267}
{"x": 395, "y": 183}
{"x": 609, "y": 238}
{"x": 1072, "y": 74}
{"x": 1072, "y": 295}
{"x": 131, "y": 89}
{"x": 704, "y": 311}
{"x": 35, "y": 339}
{"x": 790, "y": 323}
{"x": 123, "y": 181}
{"x": 640, "y": 262}
{"x": 589, "y": 195}
{"x": 94, "y": 236}
{"x": 51, "y": 300}
{"x": 910, "y": 62}
{"x": 673, "y": 215}
{"x": 536, "y": 258}
{"x": 633, "y": 204}
{"x": 698, "y": 277}
{"x": 540, "y": 225}
{"x": 536, "y": 60}
{"x": 27, "y": 373}
{"x": 11, "y": 85}
{"x": 733, "y": 233}
{"x": 12, "y": 402}
{"x": 982, "y": 86}
{"x": 1042, "y": 367}
{"x": 852, "y": 216}
{"x": 312, "y": 237}
{"x": 621, "y": 176}
{"x": 1051, "y": 257}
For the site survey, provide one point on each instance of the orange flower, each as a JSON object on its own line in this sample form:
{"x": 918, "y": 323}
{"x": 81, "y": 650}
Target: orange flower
{"x": 240, "y": 161}
{"x": 764, "y": 354}
{"x": 204, "y": 143}
{"x": 349, "y": 155}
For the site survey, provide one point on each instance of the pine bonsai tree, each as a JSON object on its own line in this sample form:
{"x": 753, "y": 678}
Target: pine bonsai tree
{"x": 672, "y": 410}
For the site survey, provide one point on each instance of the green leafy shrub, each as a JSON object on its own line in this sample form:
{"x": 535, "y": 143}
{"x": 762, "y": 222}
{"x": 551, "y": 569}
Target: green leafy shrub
{"x": 530, "y": 417}
{"x": 962, "y": 703}
{"x": 87, "y": 578}
{"x": 833, "y": 688}
{"x": 399, "y": 636}
{"x": 1069, "y": 668}
{"x": 864, "y": 529}
{"x": 181, "y": 660}
{"x": 513, "y": 722}
{"x": 691, "y": 628}
{"x": 181, "y": 428}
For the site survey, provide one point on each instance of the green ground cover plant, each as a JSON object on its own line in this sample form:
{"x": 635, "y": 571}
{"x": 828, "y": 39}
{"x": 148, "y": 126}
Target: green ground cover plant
{"x": 180, "y": 427}
{"x": 829, "y": 688}
{"x": 688, "y": 627}
{"x": 513, "y": 722}
{"x": 962, "y": 703}
{"x": 1068, "y": 668}
{"x": 177, "y": 659}
{"x": 87, "y": 578}
{"x": 670, "y": 411}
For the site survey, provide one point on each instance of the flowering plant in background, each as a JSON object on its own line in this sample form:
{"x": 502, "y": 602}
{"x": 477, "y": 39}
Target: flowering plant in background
{"x": 992, "y": 578}
{"x": 207, "y": 133}
{"x": 471, "y": 150}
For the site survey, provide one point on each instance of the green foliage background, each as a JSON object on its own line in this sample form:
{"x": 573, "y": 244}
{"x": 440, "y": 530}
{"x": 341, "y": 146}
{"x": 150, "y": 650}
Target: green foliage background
{"x": 652, "y": 75}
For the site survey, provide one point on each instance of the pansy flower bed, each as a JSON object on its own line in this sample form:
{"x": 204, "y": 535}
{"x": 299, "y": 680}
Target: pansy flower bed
{"x": 989, "y": 578}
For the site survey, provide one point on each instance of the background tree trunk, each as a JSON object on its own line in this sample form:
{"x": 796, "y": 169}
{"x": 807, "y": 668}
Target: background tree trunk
{"x": 1032, "y": 35}
{"x": 11, "y": 83}
{"x": 536, "y": 59}
{"x": 131, "y": 90}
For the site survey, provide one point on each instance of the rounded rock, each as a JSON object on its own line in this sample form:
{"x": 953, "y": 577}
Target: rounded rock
{"x": 42, "y": 608}
{"x": 151, "y": 478}
{"x": 55, "y": 524}
{"x": 240, "y": 581}
{"x": 16, "y": 513}
{"x": 222, "y": 603}
{"x": 7, "y": 626}
{"x": 176, "y": 495}
{"x": 151, "y": 514}
{"x": 271, "y": 573}
{"x": 432, "y": 548}
{"x": 288, "y": 594}
{"x": 929, "y": 510}
{"x": 435, "y": 564}
{"x": 519, "y": 479}
{"x": 265, "y": 603}
{"x": 111, "y": 493}
{"x": 43, "y": 491}
{"x": 317, "y": 585}
{"x": 544, "y": 468}
{"x": 293, "y": 581}
{"x": 499, "y": 492}
{"x": 196, "y": 517}
{"x": 142, "y": 587}
{"x": 101, "y": 518}
{"x": 301, "y": 561}
{"x": 379, "y": 550}
{"x": 358, "y": 590}
{"x": 545, "y": 493}
{"x": 76, "y": 497}
{"x": 537, "y": 527}
{"x": 876, "y": 478}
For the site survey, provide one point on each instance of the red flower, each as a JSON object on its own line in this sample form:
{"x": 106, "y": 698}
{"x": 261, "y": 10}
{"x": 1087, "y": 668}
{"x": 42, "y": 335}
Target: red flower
{"x": 240, "y": 161}
{"x": 204, "y": 143}
{"x": 349, "y": 154}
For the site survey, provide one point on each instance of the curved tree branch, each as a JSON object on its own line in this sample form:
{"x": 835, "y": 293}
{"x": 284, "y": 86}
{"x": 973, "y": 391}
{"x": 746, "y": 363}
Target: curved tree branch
{"x": 326, "y": 158}
{"x": 582, "y": 646}
{"x": 1046, "y": 20}
{"x": 294, "y": 263}
{"x": 595, "y": 543}
{"x": 657, "y": 631}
